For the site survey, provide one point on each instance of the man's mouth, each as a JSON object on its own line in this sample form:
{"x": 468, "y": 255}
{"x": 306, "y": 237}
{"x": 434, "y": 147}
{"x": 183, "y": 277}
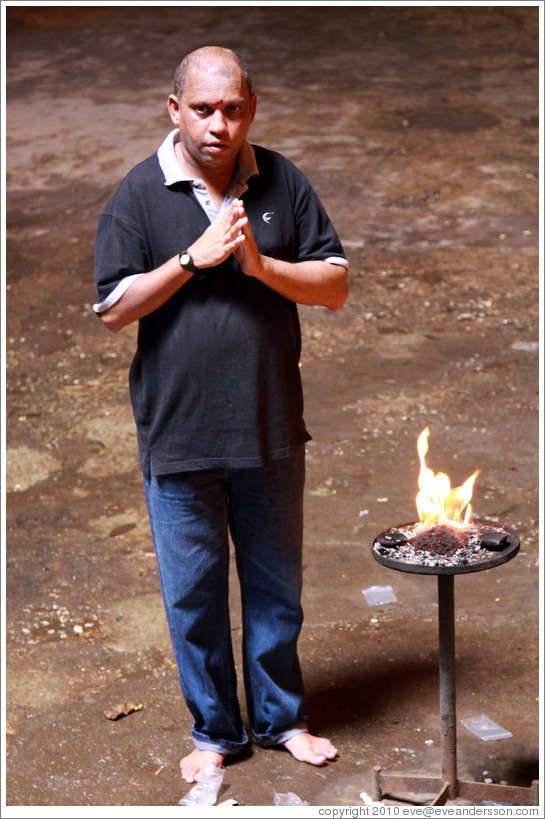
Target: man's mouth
{"x": 216, "y": 147}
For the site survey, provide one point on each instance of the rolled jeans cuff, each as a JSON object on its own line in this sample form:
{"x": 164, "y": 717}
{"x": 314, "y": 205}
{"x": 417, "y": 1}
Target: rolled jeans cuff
{"x": 216, "y": 748}
{"x": 281, "y": 737}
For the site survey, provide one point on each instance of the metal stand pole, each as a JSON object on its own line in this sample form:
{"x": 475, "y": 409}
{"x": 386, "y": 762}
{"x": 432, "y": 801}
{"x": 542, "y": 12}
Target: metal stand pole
{"x": 449, "y": 786}
{"x": 447, "y": 683}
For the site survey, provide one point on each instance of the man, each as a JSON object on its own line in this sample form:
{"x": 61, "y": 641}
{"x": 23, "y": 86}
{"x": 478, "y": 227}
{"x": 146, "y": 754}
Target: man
{"x": 209, "y": 244}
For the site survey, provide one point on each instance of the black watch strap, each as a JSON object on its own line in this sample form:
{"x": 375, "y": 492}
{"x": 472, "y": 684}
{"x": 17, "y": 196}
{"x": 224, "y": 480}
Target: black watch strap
{"x": 186, "y": 261}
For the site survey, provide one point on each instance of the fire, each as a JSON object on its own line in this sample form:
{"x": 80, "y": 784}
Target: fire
{"x": 437, "y": 502}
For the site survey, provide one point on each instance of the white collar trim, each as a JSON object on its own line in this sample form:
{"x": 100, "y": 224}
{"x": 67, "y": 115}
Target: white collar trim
{"x": 173, "y": 171}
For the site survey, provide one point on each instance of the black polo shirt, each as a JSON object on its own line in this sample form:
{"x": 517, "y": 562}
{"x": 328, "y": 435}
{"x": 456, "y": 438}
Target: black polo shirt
{"x": 215, "y": 379}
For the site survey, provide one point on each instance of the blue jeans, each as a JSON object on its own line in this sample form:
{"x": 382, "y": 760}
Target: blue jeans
{"x": 190, "y": 515}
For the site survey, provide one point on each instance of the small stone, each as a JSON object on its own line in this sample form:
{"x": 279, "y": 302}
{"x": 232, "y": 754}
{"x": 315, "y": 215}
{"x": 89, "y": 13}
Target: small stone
{"x": 496, "y": 541}
{"x": 391, "y": 539}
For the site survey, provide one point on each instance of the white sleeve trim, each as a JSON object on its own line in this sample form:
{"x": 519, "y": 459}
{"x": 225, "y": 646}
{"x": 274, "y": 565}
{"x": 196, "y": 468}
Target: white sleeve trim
{"x": 340, "y": 260}
{"x": 116, "y": 293}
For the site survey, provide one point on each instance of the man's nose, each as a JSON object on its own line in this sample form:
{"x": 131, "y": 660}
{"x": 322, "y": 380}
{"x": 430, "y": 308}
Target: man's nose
{"x": 218, "y": 122}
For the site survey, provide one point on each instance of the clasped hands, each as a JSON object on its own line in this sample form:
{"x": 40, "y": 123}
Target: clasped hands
{"x": 229, "y": 233}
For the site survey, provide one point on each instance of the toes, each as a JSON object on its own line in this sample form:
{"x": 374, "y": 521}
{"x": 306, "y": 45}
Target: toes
{"x": 187, "y": 776}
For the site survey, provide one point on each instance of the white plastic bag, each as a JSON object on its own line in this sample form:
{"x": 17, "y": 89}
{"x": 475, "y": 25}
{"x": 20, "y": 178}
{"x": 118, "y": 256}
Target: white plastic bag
{"x": 205, "y": 792}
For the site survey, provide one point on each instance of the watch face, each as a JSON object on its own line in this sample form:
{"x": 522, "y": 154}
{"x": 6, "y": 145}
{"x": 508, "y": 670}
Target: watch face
{"x": 185, "y": 258}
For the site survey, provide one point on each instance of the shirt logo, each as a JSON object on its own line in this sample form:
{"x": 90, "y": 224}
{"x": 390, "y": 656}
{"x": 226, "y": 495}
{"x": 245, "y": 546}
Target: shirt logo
{"x": 268, "y": 216}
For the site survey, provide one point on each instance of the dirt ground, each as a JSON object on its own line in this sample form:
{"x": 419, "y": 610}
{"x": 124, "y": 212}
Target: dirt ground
{"x": 418, "y": 126}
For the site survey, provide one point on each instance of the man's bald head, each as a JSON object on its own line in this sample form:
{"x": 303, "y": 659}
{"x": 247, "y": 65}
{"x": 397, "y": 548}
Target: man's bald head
{"x": 213, "y": 60}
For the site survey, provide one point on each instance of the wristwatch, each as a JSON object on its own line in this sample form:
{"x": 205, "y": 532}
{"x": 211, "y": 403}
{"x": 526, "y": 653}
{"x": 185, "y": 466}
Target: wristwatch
{"x": 186, "y": 261}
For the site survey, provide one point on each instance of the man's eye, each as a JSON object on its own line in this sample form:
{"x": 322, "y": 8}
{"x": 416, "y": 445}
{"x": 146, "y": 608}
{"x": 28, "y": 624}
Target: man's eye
{"x": 201, "y": 109}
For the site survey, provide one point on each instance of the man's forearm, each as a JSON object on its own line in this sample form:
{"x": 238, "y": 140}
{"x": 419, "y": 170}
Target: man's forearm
{"x": 311, "y": 283}
{"x": 146, "y": 294}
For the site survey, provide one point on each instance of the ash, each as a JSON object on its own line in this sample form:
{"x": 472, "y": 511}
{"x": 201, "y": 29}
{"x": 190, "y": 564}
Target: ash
{"x": 439, "y": 545}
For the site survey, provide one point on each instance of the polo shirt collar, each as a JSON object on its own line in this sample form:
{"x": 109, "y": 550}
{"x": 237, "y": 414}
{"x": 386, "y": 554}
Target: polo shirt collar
{"x": 173, "y": 171}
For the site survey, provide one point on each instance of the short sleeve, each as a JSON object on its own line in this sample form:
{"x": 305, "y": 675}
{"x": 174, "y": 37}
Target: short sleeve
{"x": 316, "y": 235}
{"x": 120, "y": 257}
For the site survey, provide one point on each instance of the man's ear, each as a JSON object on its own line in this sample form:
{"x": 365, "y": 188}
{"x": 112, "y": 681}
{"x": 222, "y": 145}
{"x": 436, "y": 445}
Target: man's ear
{"x": 174, "y": 109}
{"x": 253, "y": 105}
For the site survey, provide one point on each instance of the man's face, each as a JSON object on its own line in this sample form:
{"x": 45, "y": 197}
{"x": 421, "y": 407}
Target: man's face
{"x": 213, "y": 115}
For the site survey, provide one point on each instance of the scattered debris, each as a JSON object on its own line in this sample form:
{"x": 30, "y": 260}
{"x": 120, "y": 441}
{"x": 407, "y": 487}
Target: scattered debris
{"x": 489, "y": 803}
{"x": 366, "y": 799}
{"x": 122, "y": 529}
{"x": 404, "y": 751}
{"x": 286, "y": 799}
{"x": 526, "y": 346}
{"x": 205, "y": 792}
{"x": 484, "y": 728}
{"x": 122, "y": 710}
{"x": 379, "y": 595}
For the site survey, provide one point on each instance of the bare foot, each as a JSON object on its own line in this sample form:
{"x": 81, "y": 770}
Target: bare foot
{"x": 307, "y": 748}
{"x": 193, "y": 765}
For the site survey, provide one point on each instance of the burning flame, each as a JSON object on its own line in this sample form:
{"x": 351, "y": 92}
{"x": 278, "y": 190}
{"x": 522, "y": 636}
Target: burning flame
{"x": 437, "y": 502}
